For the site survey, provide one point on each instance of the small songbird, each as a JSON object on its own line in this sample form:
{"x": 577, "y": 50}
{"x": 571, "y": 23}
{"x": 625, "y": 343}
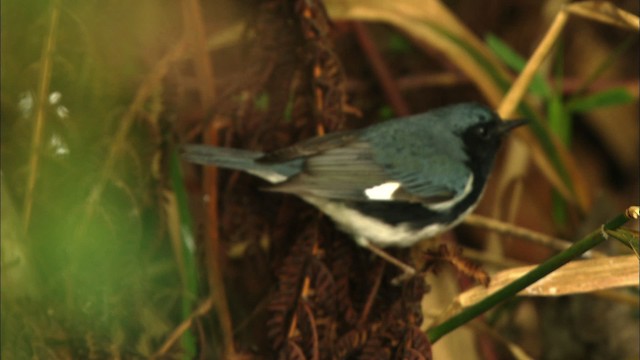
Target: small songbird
{"x": 388, "y": 185}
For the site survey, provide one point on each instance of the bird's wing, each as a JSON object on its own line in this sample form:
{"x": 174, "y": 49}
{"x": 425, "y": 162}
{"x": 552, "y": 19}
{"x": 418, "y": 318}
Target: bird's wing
{"x": 437, "y": 179}
{"x": 347, "y": 168}
{"x": 310, "y": 147}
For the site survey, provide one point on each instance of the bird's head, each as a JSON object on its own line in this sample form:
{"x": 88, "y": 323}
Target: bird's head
{"x": 479, "y": 127}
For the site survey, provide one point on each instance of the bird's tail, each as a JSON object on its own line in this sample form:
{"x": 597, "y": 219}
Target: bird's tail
{"x": 243, "y": 160}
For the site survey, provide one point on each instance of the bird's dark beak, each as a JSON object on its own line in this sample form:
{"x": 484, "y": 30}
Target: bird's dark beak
{"x": 509, "y": 125}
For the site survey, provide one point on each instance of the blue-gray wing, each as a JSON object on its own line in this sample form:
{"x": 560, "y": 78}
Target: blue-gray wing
{"x": 349, "y": 168}
{"x": 432, "y": 181}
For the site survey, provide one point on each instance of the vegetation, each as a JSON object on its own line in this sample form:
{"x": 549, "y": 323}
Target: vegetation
{"x": 112, "y": 247}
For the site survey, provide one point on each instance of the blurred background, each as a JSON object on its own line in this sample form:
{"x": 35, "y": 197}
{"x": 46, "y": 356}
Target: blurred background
{"x": 112, "y": 247}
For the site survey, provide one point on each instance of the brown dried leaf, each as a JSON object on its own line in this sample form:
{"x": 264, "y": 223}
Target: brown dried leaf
{"x": 605, "y": 12}
{"x": 574, "y": 278}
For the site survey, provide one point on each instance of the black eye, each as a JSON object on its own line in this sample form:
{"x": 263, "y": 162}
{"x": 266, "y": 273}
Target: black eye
{"x": 483, "y": 131}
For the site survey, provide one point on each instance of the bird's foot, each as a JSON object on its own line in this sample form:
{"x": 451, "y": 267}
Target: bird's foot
{"x": 407, "y": 270}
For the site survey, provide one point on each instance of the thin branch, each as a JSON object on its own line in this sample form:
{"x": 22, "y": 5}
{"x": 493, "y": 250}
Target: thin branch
{"x": 517, "y": 231}
{"x": 605, "y": 12}
{"x": 184, "y": 326}
{"x": 519, "y": 88}
{"x": 46, "y": 63}
{"x": 373, "y": 293}
{"x": 380, "y": 68}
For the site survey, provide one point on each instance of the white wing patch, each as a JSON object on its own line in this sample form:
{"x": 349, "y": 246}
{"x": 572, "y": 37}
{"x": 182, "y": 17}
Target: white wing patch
{"x": 452, "y": 202}
{"x": 383, "y": 191}
{"x": 269, "y": 175}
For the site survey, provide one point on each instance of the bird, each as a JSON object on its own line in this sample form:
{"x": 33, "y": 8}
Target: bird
{"x": 391, "y": 184}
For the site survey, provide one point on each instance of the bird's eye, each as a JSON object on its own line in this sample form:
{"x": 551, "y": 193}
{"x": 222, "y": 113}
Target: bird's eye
{"x": 482, "y": 131}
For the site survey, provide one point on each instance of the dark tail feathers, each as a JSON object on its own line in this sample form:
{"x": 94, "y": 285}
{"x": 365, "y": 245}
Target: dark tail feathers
{"x": 243, "y": 160}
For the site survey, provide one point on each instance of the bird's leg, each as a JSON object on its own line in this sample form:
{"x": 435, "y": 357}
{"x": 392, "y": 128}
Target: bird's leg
{"x": 408, "y": 271}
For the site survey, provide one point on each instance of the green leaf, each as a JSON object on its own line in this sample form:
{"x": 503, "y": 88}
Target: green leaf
{"x": 261, "y": 102}
{"x": 609, "y": 97}
{"x": 385, "y": 112}
{"x": 559, "y": 124}
{"x": 559, "y": 119}
{"x": 189, "y": 255}
{"x": 398, "y": 44}
{"x": 516, "y": 62}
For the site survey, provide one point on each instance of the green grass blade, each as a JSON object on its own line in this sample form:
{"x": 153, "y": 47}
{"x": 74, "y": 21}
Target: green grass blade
{"x": 191, "y": 280}
{"x": 610, "y": 97}
{"x": 516, "y": 62}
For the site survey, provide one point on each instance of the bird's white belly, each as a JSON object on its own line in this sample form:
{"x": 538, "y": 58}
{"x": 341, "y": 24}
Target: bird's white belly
{"x": 366, "y": 229}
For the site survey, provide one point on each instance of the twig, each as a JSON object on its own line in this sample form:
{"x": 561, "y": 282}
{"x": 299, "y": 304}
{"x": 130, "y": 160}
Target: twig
{"x": 530, "y": 235}
{"x": 195, "y": 30}
{"x": 304, "y": 294}
{"x": 520, "y": 86}
{"x": 45, "y": 80}
{"x": 487, "y": 258}
{"x": 425, "y": 80}
{"x": 407, "y": 270}
{"x": 605, "y": 12}
{"x": 373, "y": 293}
{"x": 380, "y": 68}
{"x": 184, "y": 326}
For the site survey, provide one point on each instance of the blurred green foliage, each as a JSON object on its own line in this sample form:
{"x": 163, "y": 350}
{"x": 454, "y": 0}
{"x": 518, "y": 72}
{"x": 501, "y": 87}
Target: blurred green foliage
{"x": 96, "y": 237}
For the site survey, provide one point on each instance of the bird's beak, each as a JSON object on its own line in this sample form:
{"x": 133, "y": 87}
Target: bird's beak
{"x": 509, "y": 125}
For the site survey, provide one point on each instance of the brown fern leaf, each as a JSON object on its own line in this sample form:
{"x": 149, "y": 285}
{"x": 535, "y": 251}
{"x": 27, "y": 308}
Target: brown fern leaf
{"x": 393, "y": 335}
{"x": 307, "y": 329}
{"x": 324, "y": 302}
{"x": 414, "y": 289}
{"x": 340, "y": 259}
{"x": 411, "y": 354}
{"x": 291, "y": 351}
{"x": 323, "y": 284}
{"x": 326, "y": 69}
{"x": 275, "y": 329}
{"x": 290, "y": 280}
{"x": 377, "y": 348}
{"x": 274, "y": 69}
{"x": 350, "y": 343}
{"x": 415, "y": 345}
